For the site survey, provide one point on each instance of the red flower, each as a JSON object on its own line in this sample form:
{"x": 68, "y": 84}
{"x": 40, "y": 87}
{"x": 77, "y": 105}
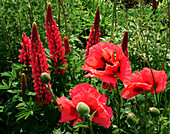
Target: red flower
{"x": 39, "y": 65}
{"x": 24, "y": 52}
{"x": 66, "y": 45}
{"x": 124, "y": 44}
{"x": 143, "y": 81}
{"x": 54, "y": 41}
{"x": 154, "y": 4}
{"x": 95, "y": 32}
{"x": 91, "y": 97}
{"x": 105, "y": 60}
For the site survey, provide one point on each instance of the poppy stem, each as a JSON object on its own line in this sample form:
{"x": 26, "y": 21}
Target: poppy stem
{"x": 151, "y": 73}
{"x": 135, "y": 130}
{"x": 145, "y": 102}
{"x": 164, "y": 58}
{"x": 49, "y": 87}
{"x": 82, "y": 132}
{"x": 90, "y": 126}
{"x": 68, "y": 61}
{"x": 119, "y": 100}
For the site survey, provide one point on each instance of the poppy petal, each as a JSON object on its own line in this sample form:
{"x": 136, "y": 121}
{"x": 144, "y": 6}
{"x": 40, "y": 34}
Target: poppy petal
{"x": 134, "y": 89}
{"x": 68, "y": 109}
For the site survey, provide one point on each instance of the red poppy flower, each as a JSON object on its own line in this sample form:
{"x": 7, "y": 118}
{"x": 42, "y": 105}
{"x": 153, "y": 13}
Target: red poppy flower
{"x": 105, "y": 60}
{"x": 90, "y": 96}
{"x": 143, "y": 81}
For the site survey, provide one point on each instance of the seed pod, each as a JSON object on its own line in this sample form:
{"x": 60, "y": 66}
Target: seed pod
{"x": 83, "y": 109}
{"x": 131, "y": 119}
{"x": 154, "y": 111}
{"x": 45, "y": 78}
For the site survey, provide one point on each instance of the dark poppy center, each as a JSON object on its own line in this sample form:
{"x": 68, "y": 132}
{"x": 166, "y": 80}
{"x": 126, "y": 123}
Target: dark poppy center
{"x": 138, "y": 89}
{"x": 103, "y": 59}
{"x": 92, "y": 110}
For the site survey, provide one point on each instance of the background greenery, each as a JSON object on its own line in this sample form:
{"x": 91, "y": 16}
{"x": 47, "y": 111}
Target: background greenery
{"x": 148, "y": 38}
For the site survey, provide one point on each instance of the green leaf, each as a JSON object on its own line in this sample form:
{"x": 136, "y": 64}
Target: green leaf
{"x": 81, "y": 124}
{"x": 165, "y": 125}
{"x": 5, "y": 85}
{"x": 163, "y": 118}
{"x": 91, "y": 116}
{"x": 6, "y": 74}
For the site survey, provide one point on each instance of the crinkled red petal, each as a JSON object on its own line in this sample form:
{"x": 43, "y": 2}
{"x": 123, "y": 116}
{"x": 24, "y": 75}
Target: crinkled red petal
{"x": 68, "y": 109}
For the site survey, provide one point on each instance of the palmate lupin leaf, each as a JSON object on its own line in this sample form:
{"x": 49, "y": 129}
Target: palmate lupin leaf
{"x": 26, "y": 109}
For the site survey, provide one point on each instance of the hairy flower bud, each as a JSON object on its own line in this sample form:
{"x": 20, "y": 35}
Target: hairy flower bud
{"x": 154, "y": 111}
{"x": 83, "y": 109}
{"x": 131, "y": 119}
{"x": 45, "y": 78}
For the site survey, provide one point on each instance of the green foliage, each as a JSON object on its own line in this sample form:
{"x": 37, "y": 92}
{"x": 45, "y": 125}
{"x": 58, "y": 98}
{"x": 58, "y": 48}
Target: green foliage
{"x": 148, "y": 38}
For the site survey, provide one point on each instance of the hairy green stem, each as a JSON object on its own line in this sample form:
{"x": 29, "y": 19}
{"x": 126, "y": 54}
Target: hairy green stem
{"x": 145, "y": 102}
{"x": 119, "y": 100}
{"x": 64, "y": 13}
{"x": 82, "y": 132}
{"x": 68, "y": 61}
{"x": 54, "y": 98}
{"x": 90, "y": 127}
{"x": 164, "y": 58}
{"x": 151, "y": 73}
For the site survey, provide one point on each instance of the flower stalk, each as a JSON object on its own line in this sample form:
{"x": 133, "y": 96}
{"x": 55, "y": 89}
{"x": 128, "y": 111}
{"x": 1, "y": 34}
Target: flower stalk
{"x": 119, "y": 105}
{"x": 145, "y": 102}
{"x": 90, "y": 126}
{"x": 54, "y": 98}
{"x": 156, "y": 102}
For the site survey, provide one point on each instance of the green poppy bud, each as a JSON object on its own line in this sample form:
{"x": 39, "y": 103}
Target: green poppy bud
{"x": 154, "y": 111}
{"x": 45, "y": 78}
{"x": 83, "y": 109}
{"x": 131, "y": 119}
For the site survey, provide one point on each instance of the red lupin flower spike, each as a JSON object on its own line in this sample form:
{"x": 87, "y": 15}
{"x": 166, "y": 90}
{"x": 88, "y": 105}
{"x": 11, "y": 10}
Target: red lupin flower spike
{"x": 95, "y": 32}
{"x": 109, "y": 86}
{"x": 54, "y": 41}
{"x": 154, "y": 4}
{"x": 124, "y": 44}
{"x": 24, "y": 52}
{"x": 39, "y": 65}
{"x": 66, "y": 45}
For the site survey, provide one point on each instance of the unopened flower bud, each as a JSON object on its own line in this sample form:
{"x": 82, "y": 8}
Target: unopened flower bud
{"x": 45, "y": 78}
{"x": 154, "y": 111}
{"x": 131, "y": 119}
{"x": 83, "y": 109}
